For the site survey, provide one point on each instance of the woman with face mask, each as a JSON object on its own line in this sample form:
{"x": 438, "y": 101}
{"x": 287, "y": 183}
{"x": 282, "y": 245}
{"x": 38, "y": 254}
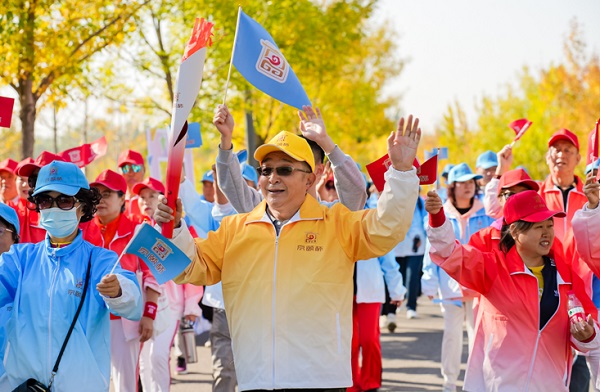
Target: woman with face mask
{"x": 178, "y": 301}
{"x": 117, "y": 230}
{"x": 45, "y": 283}
{"x": 525, "y": 330}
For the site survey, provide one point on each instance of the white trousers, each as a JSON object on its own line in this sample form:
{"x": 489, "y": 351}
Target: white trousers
{"x": 124, "y": 357}
{"x": 155, "y": 371}
{"x": 452, "y": 339}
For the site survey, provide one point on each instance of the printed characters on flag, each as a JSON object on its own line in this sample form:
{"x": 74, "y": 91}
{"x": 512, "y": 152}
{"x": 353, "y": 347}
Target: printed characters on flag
{"x": 258, "y": 58}
{"x": 85, "y": 154}
{"x": 592, "y": 153}
{"x": 378, "y": 168}
{"x": 189, "y": 79}
{"x": 6, "y": 111}
{"x": 520, "y": 126}
{"x": 163, "y": 258}
{"x": 427, "y": 172}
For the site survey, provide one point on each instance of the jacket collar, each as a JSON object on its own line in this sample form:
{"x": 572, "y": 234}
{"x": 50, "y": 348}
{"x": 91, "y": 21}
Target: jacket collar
{"x": 310, "y": 209}
{"x": 515, "y": 265}
{"x": 548, "y": 185}
{"x": 61, "y": 252}
{"x": 474, "y": 211}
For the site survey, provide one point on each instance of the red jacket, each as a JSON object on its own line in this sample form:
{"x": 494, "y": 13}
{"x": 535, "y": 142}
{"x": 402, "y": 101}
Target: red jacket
{"x": 510, "y": 351}
{"x": 554, "y": 200}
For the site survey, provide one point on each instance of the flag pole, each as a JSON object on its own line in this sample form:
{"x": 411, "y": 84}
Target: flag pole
{"x": 237, "y": 25}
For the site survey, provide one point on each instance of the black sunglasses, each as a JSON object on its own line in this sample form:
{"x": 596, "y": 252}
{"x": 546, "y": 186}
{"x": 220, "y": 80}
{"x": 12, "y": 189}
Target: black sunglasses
{"x": 45, "y": 201}
{"x": 282, "y": 171}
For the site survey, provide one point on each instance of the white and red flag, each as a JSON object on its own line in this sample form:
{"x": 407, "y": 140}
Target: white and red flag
{"x": 592, "y": 154}
{"x": 86, "y": 153}
{"x": 427, "y": 172}
{"x": 189, "y": 79}
{"x": 520, "y": 126}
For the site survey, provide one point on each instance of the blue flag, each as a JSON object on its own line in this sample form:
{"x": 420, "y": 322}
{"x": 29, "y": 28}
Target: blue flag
{"x": 194, "y": 137}
{"x": 258, "y": 58}
{"x": 443, "y": 153}
{"x": 164, "y": 259}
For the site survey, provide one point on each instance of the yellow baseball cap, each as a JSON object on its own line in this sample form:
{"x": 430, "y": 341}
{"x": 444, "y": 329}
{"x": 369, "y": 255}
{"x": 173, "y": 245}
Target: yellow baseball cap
{"x": 290, "y": 144}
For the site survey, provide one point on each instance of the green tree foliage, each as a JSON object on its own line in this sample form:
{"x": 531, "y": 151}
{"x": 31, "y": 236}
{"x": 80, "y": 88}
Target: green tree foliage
{"x": 562, "y": 95}
{"x": 47, "y": 44}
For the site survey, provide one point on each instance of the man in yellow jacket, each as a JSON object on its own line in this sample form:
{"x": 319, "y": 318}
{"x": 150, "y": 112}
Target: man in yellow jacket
{"x": 287, "y": 266}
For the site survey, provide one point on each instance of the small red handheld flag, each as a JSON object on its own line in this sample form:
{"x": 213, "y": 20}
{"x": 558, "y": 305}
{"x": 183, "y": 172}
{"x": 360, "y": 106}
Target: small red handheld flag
{"x": 86, "y": 153}
{"x": 592, "y": 153}
{"x": 427, "y": 172}
{"x": 6, "y": 111}
{"x": 520, "y": 126}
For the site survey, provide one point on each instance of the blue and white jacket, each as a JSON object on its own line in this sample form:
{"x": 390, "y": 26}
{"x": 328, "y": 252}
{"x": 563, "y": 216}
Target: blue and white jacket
{"x": 45, "y": 285}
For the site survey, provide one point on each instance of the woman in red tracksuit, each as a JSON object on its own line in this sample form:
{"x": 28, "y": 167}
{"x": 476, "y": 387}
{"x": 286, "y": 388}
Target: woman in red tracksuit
{"x": 117, "y": 230}
{"x": 524, "y": 337}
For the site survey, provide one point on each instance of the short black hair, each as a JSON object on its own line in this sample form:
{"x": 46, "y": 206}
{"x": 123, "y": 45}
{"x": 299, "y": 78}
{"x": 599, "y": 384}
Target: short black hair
{"x": 317, "y": 151}
{"x": 10, "y": 226}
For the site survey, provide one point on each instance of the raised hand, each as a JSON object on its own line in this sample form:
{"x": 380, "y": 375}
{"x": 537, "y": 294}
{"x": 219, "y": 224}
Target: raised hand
{"x": 403, "y": 143}
{"x": 592, "y": 190}
{"x": 505, "y": 158}
{"x": 313, "y": 128}
{"x": 433, "y": 203}
{"x": 223, "y": 120}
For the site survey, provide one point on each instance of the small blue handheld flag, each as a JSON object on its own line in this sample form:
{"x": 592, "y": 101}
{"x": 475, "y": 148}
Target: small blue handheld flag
{"x": 258, "y": 58}
{"x": 164, "y": 259}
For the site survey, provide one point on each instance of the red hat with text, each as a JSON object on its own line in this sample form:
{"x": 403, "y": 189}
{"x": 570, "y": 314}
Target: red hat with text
{"x": 130, "y": 157}
{"x": 564, "y": 134}
{"x": 45, "y": 158}
{"x": 151, "y": 183}
{"x": 112, "y": 180}
{"x": 528, "y": 206}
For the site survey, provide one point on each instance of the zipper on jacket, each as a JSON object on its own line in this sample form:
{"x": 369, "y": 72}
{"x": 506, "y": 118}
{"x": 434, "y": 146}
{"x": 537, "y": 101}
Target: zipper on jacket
{"x": 273, "y": 300}
{"x": 52, "y": 285}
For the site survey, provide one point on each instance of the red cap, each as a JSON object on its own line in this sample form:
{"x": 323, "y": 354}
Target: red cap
{"x": 9, "y": 165}
{"x": 45, "y": 158}
{"x": 528, "y": 206}
{"x": 26, "y": 161}
{"x": 517, "y": 177}
{"x": 564, "y": 134}
{"x": 131, "y": 157}
{"x": 112, "y": 180}
{"x": 151, "y": 183}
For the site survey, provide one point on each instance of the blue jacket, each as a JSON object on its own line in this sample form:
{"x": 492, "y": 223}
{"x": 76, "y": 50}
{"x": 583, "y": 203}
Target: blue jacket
{"x": 45, "y": 285}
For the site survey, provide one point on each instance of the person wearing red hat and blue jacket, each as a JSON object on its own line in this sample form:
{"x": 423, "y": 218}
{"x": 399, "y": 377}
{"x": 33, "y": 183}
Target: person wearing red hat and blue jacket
{"x": 44, "y": 282}
{"x": 524, "y": 334}
{"x": 117, "y": 230}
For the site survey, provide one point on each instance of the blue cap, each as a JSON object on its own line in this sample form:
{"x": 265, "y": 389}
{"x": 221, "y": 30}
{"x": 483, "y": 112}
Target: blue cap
{"x": 208, "y": 176}
{"x": 249, "y": 173}
{"x": 487, "y": 159}
{"x": 461, "y": 173}
{"x": 592, "y": 166}
{"x": 447, "y": 169}
{"x": 10, "y": 215}
{"x": 63, "y": 177}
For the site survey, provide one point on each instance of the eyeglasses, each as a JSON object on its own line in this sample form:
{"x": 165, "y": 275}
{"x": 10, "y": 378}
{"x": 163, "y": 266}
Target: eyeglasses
{"x": 506, "y": 195}
{"x": 45, "y": 201}
{"x": 134, "y": 168}
{"x": 282, "y": 171}
{"x": 4, "y": 230}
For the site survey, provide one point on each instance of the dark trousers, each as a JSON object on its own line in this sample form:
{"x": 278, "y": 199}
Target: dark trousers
{"x": 580, "y": 376}
{"x": 411, "y": 268}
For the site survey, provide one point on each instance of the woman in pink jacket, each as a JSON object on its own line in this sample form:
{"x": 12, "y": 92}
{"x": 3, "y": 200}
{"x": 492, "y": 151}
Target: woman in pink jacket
{"x": 523, "y": 338}
{"x": 178, "y": 301}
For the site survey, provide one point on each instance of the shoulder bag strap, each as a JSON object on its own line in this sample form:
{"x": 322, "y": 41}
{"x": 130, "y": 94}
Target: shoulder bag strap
{"x": 64, "y": 345}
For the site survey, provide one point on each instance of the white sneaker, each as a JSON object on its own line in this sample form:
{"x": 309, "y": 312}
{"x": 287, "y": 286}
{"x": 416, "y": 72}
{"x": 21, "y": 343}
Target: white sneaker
{"x": 411, "y": 314}
{"x": 382, "y": 321}
{"x": 391, "y": 322}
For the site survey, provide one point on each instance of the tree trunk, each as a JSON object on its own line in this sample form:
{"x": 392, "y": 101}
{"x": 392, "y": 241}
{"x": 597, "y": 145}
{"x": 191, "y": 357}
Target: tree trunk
{"x": 27, "y": 115}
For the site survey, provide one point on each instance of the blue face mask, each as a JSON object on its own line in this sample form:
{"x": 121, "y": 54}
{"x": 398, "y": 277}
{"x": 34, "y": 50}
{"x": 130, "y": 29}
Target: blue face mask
{"x": 59, "y": 223}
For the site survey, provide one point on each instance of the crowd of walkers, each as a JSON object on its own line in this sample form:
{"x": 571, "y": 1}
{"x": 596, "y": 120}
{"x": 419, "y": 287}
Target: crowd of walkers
{"x": 301, "y": 263}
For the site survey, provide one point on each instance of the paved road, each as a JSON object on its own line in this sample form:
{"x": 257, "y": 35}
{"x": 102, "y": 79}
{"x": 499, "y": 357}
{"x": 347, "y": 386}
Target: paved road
{"x": 410, "y": 356}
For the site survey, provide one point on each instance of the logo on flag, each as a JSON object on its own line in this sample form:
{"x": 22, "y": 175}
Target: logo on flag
{"x": 271, "y": 62}
{"x": 161, "y": 249}
{"x": 260, "y": 61}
